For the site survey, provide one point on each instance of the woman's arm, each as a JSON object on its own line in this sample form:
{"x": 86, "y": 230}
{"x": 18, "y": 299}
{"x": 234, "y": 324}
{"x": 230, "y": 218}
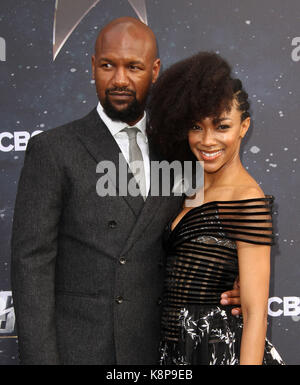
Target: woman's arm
{"x": 254, "y": 272}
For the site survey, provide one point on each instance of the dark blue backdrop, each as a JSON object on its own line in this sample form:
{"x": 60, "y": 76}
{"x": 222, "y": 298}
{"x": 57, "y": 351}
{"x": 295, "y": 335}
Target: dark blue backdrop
{"x": 259, "y": 38}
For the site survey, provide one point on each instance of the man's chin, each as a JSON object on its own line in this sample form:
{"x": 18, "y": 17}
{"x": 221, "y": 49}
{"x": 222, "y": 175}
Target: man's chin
{"x": 120, "y": 106}
{"x": 126, "y": 112}
{"x": 120, "y": 100}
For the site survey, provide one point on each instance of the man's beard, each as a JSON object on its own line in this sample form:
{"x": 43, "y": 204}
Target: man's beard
{"x": 131, "y": 113}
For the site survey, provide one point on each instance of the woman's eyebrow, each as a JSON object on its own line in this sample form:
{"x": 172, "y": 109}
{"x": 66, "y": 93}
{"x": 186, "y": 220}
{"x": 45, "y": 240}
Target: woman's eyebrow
{"x": 218, "y": 120}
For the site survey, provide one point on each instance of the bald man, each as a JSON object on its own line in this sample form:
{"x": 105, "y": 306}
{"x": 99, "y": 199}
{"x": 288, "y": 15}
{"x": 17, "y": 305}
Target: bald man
{"x": 87, "y": 270}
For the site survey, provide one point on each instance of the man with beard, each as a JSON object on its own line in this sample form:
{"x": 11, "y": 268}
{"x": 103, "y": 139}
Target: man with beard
{"x": 87, "y": 271}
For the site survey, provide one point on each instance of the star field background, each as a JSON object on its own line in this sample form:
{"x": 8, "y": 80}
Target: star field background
{"x": 255, "y": 37}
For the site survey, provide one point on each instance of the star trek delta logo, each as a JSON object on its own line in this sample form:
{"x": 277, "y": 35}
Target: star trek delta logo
{"x": 68, "y": 16}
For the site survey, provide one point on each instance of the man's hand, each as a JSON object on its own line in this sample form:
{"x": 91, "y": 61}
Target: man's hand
{"x": 232, "y": 297}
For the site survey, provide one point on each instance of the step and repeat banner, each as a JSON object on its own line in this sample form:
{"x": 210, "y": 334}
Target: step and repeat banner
{"x": 46, "y": 81}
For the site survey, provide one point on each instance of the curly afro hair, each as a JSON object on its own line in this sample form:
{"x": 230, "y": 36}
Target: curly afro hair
{"x": 189, "y": 91}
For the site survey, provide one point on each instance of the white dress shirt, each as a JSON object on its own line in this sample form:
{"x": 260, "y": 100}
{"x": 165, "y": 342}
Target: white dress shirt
{"x": 122, "y": 139}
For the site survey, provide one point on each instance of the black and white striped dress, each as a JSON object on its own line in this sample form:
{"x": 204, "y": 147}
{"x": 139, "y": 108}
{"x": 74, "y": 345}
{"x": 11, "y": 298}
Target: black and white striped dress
{"x": 202, "y": 263}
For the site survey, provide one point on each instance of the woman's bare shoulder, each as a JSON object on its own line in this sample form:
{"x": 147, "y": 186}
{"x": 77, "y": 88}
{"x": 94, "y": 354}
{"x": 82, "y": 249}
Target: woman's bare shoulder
{"x": 247, "y": 191}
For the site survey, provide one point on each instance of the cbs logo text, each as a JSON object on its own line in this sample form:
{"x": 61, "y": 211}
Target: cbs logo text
{"x": 296, "y": 51}
{"x": 2, "y": 49}
{"x": 286, "y": 306}
{"x": 15, "y": 141}
{"x": 7, "y": 313}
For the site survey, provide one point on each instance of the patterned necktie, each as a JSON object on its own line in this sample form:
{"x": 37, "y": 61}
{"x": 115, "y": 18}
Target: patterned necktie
{"x": 136, "y": 162}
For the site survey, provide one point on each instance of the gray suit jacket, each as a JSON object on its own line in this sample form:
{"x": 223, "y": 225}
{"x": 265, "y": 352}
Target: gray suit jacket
{"x": 87, "y": 271}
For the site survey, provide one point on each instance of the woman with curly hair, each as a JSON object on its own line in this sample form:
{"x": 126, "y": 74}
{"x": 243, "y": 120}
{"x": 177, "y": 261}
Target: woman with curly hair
{"x": 198, "y": 111}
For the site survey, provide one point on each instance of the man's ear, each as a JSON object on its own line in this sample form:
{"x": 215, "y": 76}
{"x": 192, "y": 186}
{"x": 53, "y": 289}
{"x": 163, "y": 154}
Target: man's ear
{"x": 155, "y": 70}
{"x": 93, "y": 66}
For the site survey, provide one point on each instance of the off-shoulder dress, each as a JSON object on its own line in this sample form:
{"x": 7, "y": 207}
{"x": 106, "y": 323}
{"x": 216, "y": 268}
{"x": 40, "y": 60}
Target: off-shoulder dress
{"x": 202, "y": 263}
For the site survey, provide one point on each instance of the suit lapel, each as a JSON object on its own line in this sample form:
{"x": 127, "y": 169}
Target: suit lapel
{"x": 101, "y": 145}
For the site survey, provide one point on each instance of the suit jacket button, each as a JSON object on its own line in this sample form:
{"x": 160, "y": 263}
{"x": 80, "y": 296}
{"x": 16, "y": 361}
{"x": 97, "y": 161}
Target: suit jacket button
{"x": 112, "y": 224}
{"x": 159, "y": 301}
{"x": 122, "y": 260}
{"x": 119, "y": 300}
